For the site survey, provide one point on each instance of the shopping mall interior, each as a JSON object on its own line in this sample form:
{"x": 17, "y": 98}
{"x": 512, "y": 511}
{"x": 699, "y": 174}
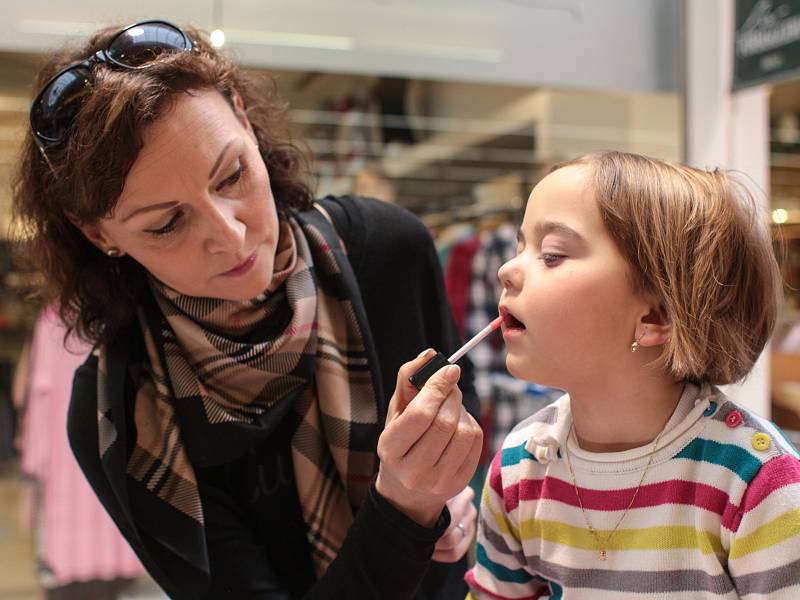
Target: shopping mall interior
{"x": 457, "y": 139}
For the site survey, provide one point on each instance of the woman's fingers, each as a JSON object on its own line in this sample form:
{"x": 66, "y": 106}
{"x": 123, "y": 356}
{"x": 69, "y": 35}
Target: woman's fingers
{"x": 428, "y": 448}
{"x": 454, "y": 537}
{"x": 459, "y": 505}
{"x": 456, "y": 541}
{"x": 462, "y": 447}
{"x": 406, "y": 428}
{"x": 463, "y": 513}
{"x": 404, "y": 392}
{"x": 420, "y": 468}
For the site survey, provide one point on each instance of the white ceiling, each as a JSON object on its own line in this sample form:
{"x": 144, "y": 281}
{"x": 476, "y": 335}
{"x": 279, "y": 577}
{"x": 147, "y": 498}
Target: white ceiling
{"x": 613, "y": 44}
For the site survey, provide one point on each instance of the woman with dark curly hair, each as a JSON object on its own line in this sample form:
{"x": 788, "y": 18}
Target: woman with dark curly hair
{"x": 232, "y": 413}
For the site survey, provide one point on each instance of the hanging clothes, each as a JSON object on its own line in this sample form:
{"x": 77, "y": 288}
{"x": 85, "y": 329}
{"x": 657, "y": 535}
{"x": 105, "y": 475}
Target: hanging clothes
{"x": 496, "y": 248}
{"x": 457, "y": 279}
{"x": 76, "y": 541}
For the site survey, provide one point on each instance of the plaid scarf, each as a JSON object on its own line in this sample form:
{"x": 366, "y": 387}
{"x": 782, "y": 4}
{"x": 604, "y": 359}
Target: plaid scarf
{"x": 221, "y": 375}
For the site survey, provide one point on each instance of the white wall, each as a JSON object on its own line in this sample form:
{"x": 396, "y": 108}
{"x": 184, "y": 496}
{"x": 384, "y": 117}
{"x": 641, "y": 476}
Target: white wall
{"x": 724, "y": 129}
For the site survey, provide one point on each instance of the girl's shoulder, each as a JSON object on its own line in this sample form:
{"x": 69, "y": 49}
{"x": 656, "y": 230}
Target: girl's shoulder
{"x": 741, "y": 452}
{"x": 733, "y": 429}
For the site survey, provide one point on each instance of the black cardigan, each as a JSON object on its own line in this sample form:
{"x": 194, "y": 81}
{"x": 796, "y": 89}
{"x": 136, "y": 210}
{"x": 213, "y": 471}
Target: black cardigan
{"x": 385, "y": 555}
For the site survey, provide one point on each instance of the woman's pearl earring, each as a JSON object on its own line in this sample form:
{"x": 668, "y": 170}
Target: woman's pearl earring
{"x": 112, "y": 252}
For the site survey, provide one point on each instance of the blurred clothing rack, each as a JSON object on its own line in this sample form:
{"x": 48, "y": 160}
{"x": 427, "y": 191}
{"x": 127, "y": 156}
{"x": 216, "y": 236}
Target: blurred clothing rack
{"x": 473, "y": 212}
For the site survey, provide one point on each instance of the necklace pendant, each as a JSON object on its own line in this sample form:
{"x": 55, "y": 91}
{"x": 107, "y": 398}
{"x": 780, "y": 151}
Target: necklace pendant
{"x": 603, "y": 554}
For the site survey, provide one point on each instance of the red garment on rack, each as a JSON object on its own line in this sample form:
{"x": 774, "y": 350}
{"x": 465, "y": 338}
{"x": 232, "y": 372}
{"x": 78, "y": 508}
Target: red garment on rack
{"x": 457, "y": 278}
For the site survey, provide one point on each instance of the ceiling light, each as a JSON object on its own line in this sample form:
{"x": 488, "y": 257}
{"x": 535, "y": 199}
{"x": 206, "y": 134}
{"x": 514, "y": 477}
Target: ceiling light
{"x": 218, "y": 38}
{"x": 780, "y": 215}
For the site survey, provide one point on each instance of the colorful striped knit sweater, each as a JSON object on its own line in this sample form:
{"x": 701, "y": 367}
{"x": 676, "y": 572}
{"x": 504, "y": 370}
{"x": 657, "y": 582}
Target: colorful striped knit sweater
{"x": 717, "y": 516}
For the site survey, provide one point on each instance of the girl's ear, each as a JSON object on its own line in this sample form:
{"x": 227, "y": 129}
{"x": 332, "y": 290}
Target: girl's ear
{"x": 654, "y": 328}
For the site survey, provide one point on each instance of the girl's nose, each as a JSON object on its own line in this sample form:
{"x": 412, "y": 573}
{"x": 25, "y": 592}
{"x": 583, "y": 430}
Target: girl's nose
{"x": 505, "y": 274}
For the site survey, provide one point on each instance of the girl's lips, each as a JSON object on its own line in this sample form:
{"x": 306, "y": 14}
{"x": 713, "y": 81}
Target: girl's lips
{"x": 512, "y": 327}
{"x": 244, "y": 267}
{"x": 510, "y": 322}
{"x": 510, "y": 333}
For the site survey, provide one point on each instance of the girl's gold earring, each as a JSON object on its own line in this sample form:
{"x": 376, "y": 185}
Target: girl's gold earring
{"x": 635, "y": 344}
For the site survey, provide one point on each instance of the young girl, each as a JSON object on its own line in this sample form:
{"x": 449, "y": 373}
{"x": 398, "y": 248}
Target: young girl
{"x": 638, "y": 287}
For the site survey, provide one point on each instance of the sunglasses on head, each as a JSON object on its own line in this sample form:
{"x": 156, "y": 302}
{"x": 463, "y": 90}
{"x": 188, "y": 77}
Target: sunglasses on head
{"x": 134, "y": 47}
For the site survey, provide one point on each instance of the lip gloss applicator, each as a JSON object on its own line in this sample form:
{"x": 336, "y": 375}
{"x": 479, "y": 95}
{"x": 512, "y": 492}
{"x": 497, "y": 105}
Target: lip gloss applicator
{"x": 424, "y": 373}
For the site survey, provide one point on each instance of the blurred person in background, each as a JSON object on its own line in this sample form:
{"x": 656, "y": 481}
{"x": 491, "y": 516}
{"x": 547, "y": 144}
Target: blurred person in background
{"x": 80, "y": 554}
{"x": 246, "y": 338}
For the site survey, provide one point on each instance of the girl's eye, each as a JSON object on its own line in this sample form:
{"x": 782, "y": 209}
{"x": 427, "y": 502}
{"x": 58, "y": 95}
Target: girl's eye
{"x": 168, "y": 228}
{"x": 233, "y": 179}
{"x": 551, "y": 260}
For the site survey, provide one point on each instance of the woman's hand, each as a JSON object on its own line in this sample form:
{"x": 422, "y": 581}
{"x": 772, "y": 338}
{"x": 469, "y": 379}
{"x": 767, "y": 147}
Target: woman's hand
{"x": 430, "y": 446}
{"x": 456, "y": 540}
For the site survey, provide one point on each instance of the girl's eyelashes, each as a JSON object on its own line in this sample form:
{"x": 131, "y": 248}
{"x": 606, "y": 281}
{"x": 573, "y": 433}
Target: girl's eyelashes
{"x": 232, "y": 179}
{"x": 168, "y": 228}
{"x": 551, "y": 260}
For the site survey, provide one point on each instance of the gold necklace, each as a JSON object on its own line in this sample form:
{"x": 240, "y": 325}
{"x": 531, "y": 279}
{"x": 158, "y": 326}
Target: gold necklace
{"x": 603, "y": 541}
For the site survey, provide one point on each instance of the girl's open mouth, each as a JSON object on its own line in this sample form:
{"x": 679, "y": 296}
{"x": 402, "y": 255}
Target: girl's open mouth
{"x": 510, "y": 321}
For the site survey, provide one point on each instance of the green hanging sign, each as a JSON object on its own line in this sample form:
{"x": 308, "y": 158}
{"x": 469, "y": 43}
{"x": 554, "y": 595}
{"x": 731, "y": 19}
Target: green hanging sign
{"x": 766, "y": 41}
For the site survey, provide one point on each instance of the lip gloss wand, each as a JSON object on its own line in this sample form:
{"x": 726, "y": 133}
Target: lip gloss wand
{"x": 424, "y": 373}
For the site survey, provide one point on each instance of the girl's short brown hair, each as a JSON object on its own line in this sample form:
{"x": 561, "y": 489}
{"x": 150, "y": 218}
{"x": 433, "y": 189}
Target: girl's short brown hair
{"x": 699, "y": 242}
{"x": 98, "y": 294}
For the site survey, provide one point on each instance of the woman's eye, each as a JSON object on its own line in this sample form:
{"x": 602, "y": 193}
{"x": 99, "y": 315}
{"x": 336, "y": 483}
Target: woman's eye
{"x": 551, "y": 260}
{"x": 232, "y": 180}
{"x": 168, "y": 228}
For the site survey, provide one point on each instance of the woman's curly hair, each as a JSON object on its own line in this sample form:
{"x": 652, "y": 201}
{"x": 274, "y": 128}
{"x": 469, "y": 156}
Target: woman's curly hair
{"x": 86, "y": 173}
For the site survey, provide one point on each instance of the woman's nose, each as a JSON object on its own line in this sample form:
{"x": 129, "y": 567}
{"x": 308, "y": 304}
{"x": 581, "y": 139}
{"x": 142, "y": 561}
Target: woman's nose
{"x": 226, "y": 231}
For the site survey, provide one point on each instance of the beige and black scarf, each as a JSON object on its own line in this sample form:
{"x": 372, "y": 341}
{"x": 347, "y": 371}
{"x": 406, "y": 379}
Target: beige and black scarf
{"x": 221, "y": 375}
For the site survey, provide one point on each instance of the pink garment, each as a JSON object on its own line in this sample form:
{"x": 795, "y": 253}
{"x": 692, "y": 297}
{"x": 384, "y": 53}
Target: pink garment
{"x": 77, "y": 540}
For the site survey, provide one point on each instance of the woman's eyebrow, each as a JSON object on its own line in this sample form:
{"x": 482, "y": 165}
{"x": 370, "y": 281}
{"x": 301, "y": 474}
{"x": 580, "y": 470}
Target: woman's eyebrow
{"x": 143, "y": 209}
{"x": 218, "y": 162}
{"x": 161, "y": 205}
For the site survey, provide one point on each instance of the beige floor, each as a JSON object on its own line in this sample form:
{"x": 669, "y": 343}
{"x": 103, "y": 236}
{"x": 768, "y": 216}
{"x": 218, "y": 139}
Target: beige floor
{"x": 17, "y": 577}
{"x": 16, "y": 554}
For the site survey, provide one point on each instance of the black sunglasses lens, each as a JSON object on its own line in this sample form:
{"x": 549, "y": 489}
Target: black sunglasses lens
{"x": 56, "y": 107}
{"x": 144, "y": 43}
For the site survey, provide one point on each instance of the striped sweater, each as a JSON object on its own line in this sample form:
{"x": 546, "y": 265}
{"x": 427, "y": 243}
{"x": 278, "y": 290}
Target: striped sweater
{"x": 717, "y": 516}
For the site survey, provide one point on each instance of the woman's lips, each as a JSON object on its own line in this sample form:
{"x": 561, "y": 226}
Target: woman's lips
{"x": 244, "y": 267}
